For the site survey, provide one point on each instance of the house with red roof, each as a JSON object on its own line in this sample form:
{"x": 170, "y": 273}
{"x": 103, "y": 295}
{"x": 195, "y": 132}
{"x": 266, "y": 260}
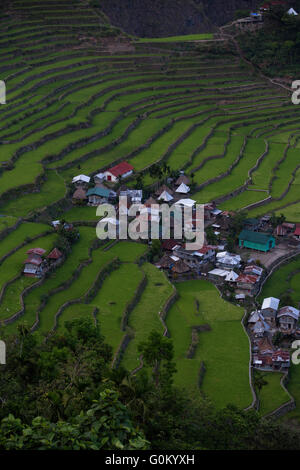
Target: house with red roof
{"x": 248, "y": 283}
{"x": 280, "y": 359}
{"x": 122, "y": 170}
{"x": 297, "y": 232}
{"x": 34, "y": 264}
{"x": 275, "y": 3}
{"x": 170, "y": 245}
{"x": 55, "y": 256}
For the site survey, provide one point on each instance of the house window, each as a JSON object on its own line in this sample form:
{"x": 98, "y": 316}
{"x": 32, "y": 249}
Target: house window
{"x": 108, "y": 178}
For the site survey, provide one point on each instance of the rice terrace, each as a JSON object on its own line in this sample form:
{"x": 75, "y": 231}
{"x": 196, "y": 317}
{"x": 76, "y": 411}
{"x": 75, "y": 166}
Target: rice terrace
{"x": 83, "y": 98}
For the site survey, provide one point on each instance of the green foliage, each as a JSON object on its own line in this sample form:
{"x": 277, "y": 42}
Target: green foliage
{"x": 158, "y": 354}
{"x": 276, "y": 47}
{"x": 106, "y": 425}
{"x": 74, "y": 401}
{"x": 241, "y": 14}
{"x": 277, "y": 220}
{"x": 210, "y": 236}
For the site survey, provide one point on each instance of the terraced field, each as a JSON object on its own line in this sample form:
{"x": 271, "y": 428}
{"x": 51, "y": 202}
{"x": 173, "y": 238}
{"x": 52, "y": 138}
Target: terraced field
{"x": 223, "y": 343}
{"x": 82, "y": 96}
{"x": 284, "y": 281}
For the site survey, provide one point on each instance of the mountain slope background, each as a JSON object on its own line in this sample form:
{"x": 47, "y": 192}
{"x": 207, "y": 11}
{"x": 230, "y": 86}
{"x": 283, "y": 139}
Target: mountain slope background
{"x": 158, "y": 18}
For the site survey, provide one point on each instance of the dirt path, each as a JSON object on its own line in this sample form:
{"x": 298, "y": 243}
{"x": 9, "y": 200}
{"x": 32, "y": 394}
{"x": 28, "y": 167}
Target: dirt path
{"x": 227, "y": 36}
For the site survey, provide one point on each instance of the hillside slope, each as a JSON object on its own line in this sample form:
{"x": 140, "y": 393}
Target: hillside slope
{"x": 157, "y": 18}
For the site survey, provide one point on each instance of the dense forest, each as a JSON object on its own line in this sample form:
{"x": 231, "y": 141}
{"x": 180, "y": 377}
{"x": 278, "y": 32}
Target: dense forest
{"x": 63, "y": 394}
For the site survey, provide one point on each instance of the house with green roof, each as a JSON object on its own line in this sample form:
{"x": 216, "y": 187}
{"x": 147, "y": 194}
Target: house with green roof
{"x": 256, "y": 240}
{"x": 98, "y": 196}
{"x": 251, "y": 224}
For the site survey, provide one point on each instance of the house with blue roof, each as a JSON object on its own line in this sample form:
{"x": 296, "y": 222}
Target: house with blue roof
{"x": 98, "y": 196}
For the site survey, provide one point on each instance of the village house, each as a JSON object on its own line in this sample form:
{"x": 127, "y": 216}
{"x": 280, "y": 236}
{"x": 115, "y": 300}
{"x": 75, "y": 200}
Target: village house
{"x": 231, "y": 277}
{"x": 79, "y": 197}
{"x": 183, "y": 189}
{"x": 269, "y": 309}
{"x": 296, "y": 233}
{"x": 275, "y": 360}
{"x": 182, "y": 179}
{"x": 248, "y": 283}
{"x": 173, "y": 264}
{"x": 261, "y": 361}
{"x": 134, "y": 195}
{"x": 251, "y": 224}
{"x": 120, "y": 171}
{"x": 81, "y": 180}
{"x": 55, "y": 257}
{"x": 98, "y": 196}
{"x": 257, "y": 324}
{"x": 196, "y": 259}
{"x": 225, "y": 260}
{"x": 253, "y": 270}
{"x": 165, "y": 197}
{"x": 170, "y": 245}
{"x": 206, "y": 253}
{"x": 210, "y": 211}
{"x": 217, "y": 275}
{"x": 150, "y": 202}
{"x": 280, "y": 231}
{"x": 55, "y": 224}
{"x": 99, "y": 178}
{"x": 288, "y": 319}
{"x": 35, "y": 265}
{"x": 265, "y": 346}
{"x": 266, "y": 6}
{"x": 256, "y": 240}
{"x": 179, "y": 267}
{"x": 163, "y": 189}
{"x": 281, "y": 360}
{"x": 185, "y": 203}
{"x": 165, "y": 262}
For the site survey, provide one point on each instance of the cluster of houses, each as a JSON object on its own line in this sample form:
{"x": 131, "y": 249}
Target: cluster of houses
{"x": 94, "y": 195}
{"x": 266, "y": 7}
{"x": 37, "y": 264}
{"x": 255, "y": 19}
{"x": 263, "y": 324}
{"x": 99, "y": 191}
{"x": 212, "y": 262}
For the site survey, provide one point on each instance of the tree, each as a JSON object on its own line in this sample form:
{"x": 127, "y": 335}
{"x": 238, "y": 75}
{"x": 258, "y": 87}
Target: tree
{"x": 277, "y": 220}
{"x": 155, "y": 249}
{"x": 158, "y": 353}
{"x": 139, "y": 181}
{"x": 259, "y": 381}
{"x": 286, "y": 299}
{"x": 230, "y": 243}
{"x": 237, "y": 223}
{"x": 211, "y": 236}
